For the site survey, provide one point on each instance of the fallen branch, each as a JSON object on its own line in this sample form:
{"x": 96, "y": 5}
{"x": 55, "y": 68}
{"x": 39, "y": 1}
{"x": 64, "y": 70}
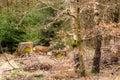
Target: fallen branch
{"x": 8, "y": 61}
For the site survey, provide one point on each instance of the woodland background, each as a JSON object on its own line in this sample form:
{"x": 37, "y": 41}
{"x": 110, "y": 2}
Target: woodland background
{"x": 43, "y": 21}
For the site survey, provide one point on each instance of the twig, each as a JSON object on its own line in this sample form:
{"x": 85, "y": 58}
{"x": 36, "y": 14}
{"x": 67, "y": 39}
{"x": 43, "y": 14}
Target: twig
{"x": 55, "y": 19}
{"x": 6, "y": 56}
{"x": 21, "y": 20}
{"x": 26, "y": 13}
{"x": 8, "y": 61}
{"x": 43, "y": 2}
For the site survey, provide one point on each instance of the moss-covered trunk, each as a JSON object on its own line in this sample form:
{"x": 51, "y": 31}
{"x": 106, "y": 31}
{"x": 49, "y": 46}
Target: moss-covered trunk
{"x": 77, "y": 38}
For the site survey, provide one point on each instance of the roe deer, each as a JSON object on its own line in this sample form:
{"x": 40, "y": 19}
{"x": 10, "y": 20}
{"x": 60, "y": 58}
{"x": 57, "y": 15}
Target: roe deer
{"x": 43, "y": 49}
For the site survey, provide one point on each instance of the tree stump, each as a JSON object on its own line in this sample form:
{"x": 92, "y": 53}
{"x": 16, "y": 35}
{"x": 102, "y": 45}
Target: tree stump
{"x": 25, "y": 47}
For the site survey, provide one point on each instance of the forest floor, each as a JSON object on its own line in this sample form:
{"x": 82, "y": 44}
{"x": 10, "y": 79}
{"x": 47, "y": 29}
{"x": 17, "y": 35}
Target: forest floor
{"x": 44, "y": 67}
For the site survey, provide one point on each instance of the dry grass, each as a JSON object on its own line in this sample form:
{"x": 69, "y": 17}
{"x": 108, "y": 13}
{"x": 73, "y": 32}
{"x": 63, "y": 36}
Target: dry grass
{"x": 39, "y": 67}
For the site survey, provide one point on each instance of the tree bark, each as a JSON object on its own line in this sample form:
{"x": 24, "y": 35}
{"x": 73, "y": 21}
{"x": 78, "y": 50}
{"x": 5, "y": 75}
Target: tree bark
{"x": 97, "y": 56}
{"x": 77, "y": 38}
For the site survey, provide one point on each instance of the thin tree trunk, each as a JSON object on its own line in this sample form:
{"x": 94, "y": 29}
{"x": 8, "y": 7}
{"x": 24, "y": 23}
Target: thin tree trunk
{"x": 97, "y": 56}
{"x": 77, "y": 39}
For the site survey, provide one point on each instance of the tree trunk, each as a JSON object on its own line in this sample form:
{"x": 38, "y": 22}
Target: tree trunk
{"x": 77, "y": 38}
{"x": 97, "y": 56}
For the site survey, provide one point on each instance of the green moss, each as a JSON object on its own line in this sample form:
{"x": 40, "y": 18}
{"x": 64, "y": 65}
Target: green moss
{"x": 18, "y": 50}
{"x": 59, "y": 55}
{"x": 14, "y": 73}
{"x": 27, "y": 50}
{"x": 83, "y": 74}
{"x": 74, "y": 43}
{"x": 94, "y": 71}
